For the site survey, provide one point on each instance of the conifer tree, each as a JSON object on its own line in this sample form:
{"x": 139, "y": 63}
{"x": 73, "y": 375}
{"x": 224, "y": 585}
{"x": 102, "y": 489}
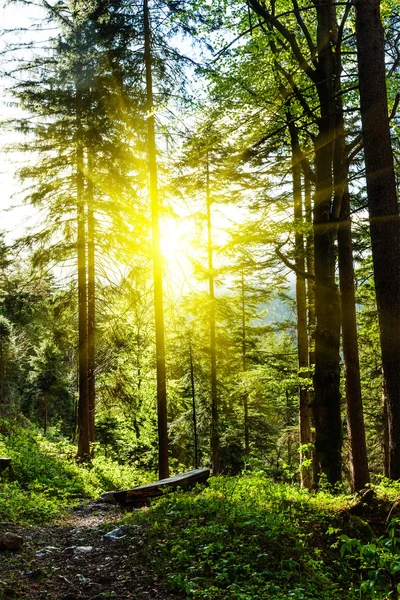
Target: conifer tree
{"x": 383, "y": 208}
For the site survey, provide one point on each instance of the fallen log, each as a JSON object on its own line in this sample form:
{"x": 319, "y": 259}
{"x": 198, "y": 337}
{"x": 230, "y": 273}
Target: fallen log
{"x": 5, "y": 463}
{"x": 141, "y": 495}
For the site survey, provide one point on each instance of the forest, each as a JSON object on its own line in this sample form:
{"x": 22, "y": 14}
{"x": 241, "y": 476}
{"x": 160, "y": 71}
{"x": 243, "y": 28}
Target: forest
{"x": 203, "y": 273}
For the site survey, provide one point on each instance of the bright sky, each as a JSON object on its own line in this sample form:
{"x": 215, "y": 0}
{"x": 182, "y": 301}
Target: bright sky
{"x": 13, "y": 220}
{"x": 178, "y": 241}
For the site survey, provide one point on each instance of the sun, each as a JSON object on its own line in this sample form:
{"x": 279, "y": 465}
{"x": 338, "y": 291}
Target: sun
{"x": 179, "y": 248}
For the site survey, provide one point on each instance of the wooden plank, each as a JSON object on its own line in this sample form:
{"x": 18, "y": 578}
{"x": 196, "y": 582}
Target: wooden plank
{"x": 141, "y": 494}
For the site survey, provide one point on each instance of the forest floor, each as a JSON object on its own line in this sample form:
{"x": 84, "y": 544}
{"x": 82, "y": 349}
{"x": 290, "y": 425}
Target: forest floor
{"x": 73, "y": 560}
{"x": 239, "y": 538}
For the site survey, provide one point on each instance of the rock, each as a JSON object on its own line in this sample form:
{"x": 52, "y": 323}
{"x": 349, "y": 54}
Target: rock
{"x": 11, "y": 541}
{"x": 115, "y": 534}
{"x": 78, "y": 549}
{"x": 82, "y": 549}
{"x": 106, "y": 498}
{"x": 43, "y": 552}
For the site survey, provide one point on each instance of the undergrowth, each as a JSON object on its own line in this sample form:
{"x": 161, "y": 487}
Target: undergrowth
{"x": 46, "y": 479}
{"x": 241, "y": 538}
{"x": 245, "y": 538}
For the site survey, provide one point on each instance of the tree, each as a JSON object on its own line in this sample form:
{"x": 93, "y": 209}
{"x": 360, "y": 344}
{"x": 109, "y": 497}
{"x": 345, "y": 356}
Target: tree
{"x": 157, "y": 257}
{"x": 383, "y": 208}
{"x": 73, "y": 95}
{"x": 48, "y": 386}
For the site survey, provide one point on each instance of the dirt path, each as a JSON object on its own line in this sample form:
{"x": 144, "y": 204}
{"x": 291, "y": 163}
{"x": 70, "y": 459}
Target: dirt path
{"x": 75, "y": 561}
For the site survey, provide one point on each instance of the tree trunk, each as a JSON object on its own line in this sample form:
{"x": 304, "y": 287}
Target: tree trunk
{"x": 213, "y": 345}
{"x": 301, "y": 309}
{"x": 322, "y": 73}
{"x": 244, "y": 367}
{"x": 194, "y": 416}
{"x": 163, "y": 466}
{"x": 326, "y": 406}
{"x": 358, "y": 460}
{"x": 83, "y": 402}
{"x": 311, "y": 270}
{"x": 385, "y": 436}
{"x": 359, "y": 473}
{"x": 310, "y": 307}
{"x": 383, "y": 208}
{"x": 91, "y": 302}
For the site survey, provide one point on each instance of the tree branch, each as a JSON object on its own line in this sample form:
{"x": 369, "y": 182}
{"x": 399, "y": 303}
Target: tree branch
{"x": 293, "y": 267}
{"x": 261, "y": 10}
{"x": 306, "y": 32}
{"x": 395, "y": 105}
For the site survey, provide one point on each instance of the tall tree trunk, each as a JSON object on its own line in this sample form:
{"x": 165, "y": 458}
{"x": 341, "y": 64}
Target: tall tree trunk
{"x": 163, "y": 466}
{"x": 385, "y": 436}
{"x": 213, "y": 345}
{"x": 91, "y": 302}
{"x": 244, "y": 367}
{"x": 359, "y": 473}
{"x": 358, "y": 460}
{"x": 308, "y": 208}
{"x": 322, "y": 73}
{"x": 194, "y": 416}
{"x": 383, "y": 208}
{"x": 301, "y": 309}
{"x": 326, "y": 405}
{"x": 83, "y": 402}
{"x": 311, "y": 270}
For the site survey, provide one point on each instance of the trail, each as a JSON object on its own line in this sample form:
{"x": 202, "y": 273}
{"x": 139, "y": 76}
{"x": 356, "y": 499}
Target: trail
{"x": 73, "y": 560}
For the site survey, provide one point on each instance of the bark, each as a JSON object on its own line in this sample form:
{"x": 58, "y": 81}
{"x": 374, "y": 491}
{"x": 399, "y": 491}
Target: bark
{"x": 91, "y": 303}
{"x": 385, "y": 436}
{"x": 213, "y": 344}
{"x": 358, "y": 460}
{"x": 163, "y": 465}
{"x": 244, "y": 367}
{"x": 310, "y": 306}
{"x": 322, "y": 73}
{"x": 311, "y": 270}
{"x": 194, "y": 415}
{"x": 83, "y": 401}
{"x": 326, "y": 406}
{"x": 301, "y": 310}
{"x": 359, "y": 473}
{"x": 383, "y": 208}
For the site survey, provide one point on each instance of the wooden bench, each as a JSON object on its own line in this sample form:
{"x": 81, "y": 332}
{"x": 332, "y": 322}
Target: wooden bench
{"x": 140, "y": 496}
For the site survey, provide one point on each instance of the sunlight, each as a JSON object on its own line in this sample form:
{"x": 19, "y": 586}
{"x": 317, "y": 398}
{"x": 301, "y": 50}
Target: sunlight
{"x": 178, "y": 245}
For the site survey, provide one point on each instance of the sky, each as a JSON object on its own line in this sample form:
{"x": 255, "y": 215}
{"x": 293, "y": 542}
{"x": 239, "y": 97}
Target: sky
{"x": 15, "y": 216}
{"x": 13, "y": 220}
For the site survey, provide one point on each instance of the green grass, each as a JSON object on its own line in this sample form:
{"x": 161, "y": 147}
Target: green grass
{"x": 241, "y": 538}
{"x": 47, "y": 481}
{"x": 246, "y": 538}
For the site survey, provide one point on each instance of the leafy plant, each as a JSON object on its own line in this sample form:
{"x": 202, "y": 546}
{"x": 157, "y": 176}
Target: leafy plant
{"x": 378, "y": 563}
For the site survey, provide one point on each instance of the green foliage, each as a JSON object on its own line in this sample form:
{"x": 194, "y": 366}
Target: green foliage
{"x": 47, "y": 481}
{"x": 244, "y": 538}
{"x": 376, "y": 563}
